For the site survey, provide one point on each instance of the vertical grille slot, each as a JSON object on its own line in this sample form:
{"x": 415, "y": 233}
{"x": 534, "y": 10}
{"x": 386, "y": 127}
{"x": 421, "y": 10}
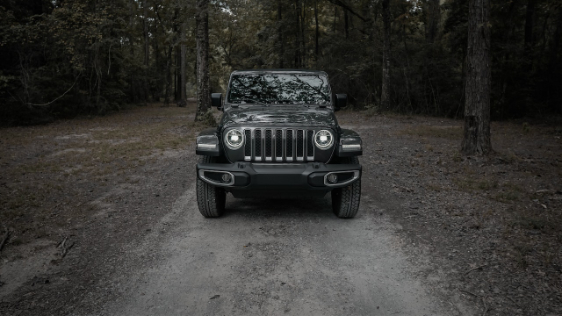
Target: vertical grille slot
{"x": 268, "y": 145}
{"x": 309, "y": 145}
{"x": 257, "y": 145}
{"x": 289, "y": 143}
{"x": 300, "y": 144}
{"x": 279, "y": 145}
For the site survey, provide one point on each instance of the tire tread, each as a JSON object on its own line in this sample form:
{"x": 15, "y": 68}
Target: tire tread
{"x": 210, "y": 199}
{"x": 345, "y": 201}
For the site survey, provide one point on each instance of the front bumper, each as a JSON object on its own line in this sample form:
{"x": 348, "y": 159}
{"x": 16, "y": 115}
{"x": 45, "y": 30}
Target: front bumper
{"x": 312, "y": 176}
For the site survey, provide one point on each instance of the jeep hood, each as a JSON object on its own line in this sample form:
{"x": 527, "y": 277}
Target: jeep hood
{"x": 279, "y": 116}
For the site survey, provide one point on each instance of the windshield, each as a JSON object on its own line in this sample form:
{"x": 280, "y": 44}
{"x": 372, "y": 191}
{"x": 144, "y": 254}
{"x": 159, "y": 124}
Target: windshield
{"x": 270, "y": 88}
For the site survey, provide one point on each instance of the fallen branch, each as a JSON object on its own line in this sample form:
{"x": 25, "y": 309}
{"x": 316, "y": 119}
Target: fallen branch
{"x": 65, "y": 250}
{"x": 467, "y": 292}
{"x": 62, "y": 242}
{"x": 480, "y": 267}
{"x": 5, "y": 239}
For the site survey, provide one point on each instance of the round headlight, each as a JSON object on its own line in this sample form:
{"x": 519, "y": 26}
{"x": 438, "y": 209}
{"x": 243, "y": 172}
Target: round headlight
{"x": 234, "y": 139}
{"x": 324, "y": 139}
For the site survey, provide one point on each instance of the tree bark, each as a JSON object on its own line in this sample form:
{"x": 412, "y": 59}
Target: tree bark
{"x": 303, "y": 25}
{"x": 203, "y": 82}
{"x": 317, "y": 33}
{"x": 132, "y": 79}
{"x": 529, "y": 19}
{"x": 432, "y": 21}
{"x": 555, "y": 73}
{"x": 183, "y": 102}
{"x": 177, "y": 51}
{"x": 146, "y": 50}
{"x": 280, "y": 30}
{"x": 298, "y": 57}
{"x": 168, "y": 80}
{"x": 346, "y": 23}
{"x": 385, "y": 94}
{"x": 476, "y": 139}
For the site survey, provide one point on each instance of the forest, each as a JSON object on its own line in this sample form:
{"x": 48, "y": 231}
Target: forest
{"x": 62, "y": 58}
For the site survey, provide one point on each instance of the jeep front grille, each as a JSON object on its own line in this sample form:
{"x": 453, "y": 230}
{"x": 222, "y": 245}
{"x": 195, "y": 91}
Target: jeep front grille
{"x": 276, "y": 144}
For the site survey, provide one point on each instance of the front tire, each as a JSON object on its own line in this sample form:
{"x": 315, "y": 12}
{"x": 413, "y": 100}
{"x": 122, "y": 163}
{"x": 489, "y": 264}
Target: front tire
{"x": 345, "y": 201}
{"x": 210, "y": 199}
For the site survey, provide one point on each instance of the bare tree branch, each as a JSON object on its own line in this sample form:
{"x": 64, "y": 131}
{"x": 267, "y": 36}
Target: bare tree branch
{"x": 342, "y": 4}
{"x": 62, "y": 95}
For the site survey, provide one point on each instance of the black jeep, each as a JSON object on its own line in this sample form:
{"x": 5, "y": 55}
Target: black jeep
{"x": 278, "y": 138}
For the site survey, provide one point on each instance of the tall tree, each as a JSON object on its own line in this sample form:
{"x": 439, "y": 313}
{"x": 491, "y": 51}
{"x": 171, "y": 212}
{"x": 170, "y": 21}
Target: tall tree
{"x": 298, "y": 52}
{"x": 385, "y": 95}
{"x": 529, "y": 20}
{"x": 476, "y": 139}
{"x": 203, "y": 83}
{"x": 280, "y": 32}
{"x": 182, "y": 102}
{"x": 316, "y": 33}
{"x": 433, "y": 16}
{"x": 146, "y": 49}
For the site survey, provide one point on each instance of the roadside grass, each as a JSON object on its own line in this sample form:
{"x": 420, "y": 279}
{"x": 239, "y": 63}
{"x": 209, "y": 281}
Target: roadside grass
{"x": 521, "y": 181}
{"x": 435, "y": 131}
{"x": 506, "y": 208}
{"x": 48, "y": 173}
{"x": 475, "y": 184}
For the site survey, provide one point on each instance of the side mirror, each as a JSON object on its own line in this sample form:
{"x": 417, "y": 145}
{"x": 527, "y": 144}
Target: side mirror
{"x": 341, "y": 101}
{"x": 216, "y": 100}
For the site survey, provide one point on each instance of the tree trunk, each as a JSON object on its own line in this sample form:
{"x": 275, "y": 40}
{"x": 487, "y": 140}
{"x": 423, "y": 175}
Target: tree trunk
{"x": 302, "y": 39}
{"x": 335, "y": 24}
{"x": 280, "y": 30}
{"x": 168, "y": 76}
{"x": 132, "y": 77}
{"x": 503, "y": 63}
{"x": 203, "y": 84}
{"x": 476, "y": 139}
{"x": 555, "y": 70}
{"x": 346, "y": 23}
{"x": 385, "y": 94}
{"x": 407, "y": 69}
{"x": 298, "y": 63}
{"x": 529, "y": 19}
{"x": 177, "y": 52}
{"x": 146, "y": 51}
{"x": 317, "y": 32}
{"x": 182, "y": 102}
{"x": 433, "y": 17}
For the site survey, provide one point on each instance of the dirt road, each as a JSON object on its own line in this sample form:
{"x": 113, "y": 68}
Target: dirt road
{"x": 144, "y": 249}
{"x": 274, "y": 258}
{"x": 103, "y": 221}
{"x": 269, "y": 257}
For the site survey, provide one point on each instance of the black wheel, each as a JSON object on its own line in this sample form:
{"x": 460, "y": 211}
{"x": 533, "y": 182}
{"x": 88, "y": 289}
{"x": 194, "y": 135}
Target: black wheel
{"x": 210, "y": 199}
{"x": 345, "y": 201}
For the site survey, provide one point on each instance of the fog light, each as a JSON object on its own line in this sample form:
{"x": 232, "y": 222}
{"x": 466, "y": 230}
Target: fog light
{"x": 226, "y": 177}
{"x": 332, "y": 178}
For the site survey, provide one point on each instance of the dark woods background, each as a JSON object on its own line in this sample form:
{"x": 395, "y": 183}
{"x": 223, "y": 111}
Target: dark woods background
{"x": 60, "y": 58}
